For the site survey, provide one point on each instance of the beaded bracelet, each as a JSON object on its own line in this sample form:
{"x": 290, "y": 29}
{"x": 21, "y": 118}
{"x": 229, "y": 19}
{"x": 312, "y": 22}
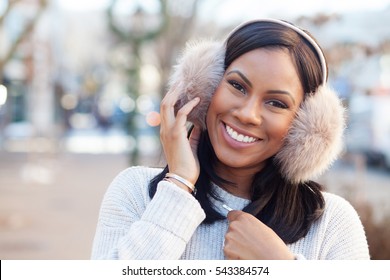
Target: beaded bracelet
{"x": 187, "y": 183}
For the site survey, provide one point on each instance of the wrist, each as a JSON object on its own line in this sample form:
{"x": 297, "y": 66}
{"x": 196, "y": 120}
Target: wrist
{"x": 178, "y": 184}
{"x": 180, "y": 181}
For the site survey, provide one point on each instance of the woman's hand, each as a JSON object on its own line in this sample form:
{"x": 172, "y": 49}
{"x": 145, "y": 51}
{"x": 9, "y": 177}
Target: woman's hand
{"x": 248, "y": 238}
{"x": 180, "y": 152}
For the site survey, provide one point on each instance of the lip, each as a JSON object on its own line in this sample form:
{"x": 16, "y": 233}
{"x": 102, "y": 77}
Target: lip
{"x": 234, "y": 143}
{"x": 241, "y": 131}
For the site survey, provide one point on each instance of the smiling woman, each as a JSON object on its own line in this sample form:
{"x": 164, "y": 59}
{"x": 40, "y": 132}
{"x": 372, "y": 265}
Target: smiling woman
{"x": 264, "y": 124}
{"x": 257, "y": 98}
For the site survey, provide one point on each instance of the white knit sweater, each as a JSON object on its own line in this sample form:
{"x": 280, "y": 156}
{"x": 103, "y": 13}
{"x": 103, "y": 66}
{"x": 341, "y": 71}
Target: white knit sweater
{"x": 133, "y": 226}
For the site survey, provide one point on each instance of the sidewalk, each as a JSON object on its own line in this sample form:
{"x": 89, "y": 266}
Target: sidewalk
{"x": 49, "y": 204}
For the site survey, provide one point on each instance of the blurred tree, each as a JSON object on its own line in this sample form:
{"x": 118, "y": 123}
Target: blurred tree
{"x": 26, "y": 31}
{"x": 12, "y": 48}
{"x": 180, "y": 25}
{"x": 167, "y": 31}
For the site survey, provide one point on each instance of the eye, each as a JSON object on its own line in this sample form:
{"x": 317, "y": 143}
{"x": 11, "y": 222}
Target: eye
{"x": 237, "y": 86}
{"x": 277, "y": 104}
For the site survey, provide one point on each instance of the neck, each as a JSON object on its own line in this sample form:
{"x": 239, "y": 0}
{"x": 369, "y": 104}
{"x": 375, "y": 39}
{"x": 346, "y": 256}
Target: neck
{"x": 241, "y": 178}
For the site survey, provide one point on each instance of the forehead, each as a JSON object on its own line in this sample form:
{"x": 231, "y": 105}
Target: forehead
{"x": 269, "y": 62}
{"x": 270, "y": 52}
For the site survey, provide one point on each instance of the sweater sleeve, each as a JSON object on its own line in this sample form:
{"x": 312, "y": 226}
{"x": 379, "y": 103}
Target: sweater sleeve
{"x": 131, "y": 226}
{"x": 345, "y": 236}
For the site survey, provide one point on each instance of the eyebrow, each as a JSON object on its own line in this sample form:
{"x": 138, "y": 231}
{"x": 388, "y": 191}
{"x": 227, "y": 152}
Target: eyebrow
{"x": 246, "y": 80}
{"x": 282, "y": 92}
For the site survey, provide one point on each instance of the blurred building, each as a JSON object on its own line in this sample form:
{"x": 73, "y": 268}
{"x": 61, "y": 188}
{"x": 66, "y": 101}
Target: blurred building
{"x": 29, "y": 75}
{"x": 59, "y": 80}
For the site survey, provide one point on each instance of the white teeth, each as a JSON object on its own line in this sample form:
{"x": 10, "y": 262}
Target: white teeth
{"x": 239, "y": 137}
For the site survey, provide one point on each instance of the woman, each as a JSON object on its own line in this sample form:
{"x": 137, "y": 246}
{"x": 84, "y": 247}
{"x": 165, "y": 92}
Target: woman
{"x": 238, "y": 186}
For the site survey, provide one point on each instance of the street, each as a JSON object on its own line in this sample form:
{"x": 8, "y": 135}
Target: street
{"x": 49, "y": 204}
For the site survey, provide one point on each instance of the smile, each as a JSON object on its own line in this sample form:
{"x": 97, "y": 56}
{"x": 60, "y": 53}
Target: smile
{"x": 240, "y": 137}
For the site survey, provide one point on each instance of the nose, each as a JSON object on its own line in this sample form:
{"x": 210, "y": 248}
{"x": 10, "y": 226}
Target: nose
{"x": 249, "y": 112}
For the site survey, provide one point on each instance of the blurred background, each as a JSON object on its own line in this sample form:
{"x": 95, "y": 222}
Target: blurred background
{"x": 80, "y": 86}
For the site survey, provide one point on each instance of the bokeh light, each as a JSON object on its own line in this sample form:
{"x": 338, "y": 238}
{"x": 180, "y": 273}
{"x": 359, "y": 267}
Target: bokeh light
{"x": 153, "y": 118}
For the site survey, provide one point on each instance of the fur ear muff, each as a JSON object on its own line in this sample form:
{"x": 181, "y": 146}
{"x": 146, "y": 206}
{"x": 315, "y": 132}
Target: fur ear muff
{"x": 315, "y": 137}
{"x": 198, "y": 74}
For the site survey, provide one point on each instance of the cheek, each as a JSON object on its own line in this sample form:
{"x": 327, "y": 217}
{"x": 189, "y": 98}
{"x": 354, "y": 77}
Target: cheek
{"x": 217, "y": 104}
{"x": 220, "y": 96}
{"x": 279, "y": 128}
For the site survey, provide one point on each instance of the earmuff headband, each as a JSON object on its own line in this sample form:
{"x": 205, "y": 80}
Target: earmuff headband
{"x": 314, "y": 140}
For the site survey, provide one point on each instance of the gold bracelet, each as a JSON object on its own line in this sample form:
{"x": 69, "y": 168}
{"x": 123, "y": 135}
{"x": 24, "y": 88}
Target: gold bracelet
{"x": 187, "y": 183}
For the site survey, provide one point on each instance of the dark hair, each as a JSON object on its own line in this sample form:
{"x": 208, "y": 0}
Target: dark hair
{"x": 288, "y": 208}
{"x": 273, "y": 35}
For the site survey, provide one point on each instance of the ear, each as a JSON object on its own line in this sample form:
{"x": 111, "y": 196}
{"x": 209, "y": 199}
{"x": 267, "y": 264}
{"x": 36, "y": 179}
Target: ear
{"x": 315, "y": 138}
{"x": 198, "y": 74}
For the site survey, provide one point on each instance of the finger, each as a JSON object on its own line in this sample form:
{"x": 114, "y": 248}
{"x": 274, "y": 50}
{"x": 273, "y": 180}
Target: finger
{"x": 167, "y": 104}
{"x": 195, "y": 133}
{"x": 230, "y": 250}
{"x": 234, "y": 215}
{"x": 175, "y": 126}
{"x": 230, "y": 256}
{"x": 167, "y": 110}
{"x": 194, "y": 138}
{"x": 184, "y": 111}
{"x": 173, "y": 93}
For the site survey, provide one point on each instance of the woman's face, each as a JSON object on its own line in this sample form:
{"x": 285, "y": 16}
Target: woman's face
{"x": 252, "y": 108}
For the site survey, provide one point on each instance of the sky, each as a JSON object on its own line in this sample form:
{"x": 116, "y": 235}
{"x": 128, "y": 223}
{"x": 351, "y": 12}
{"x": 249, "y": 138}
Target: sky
{"x": 224, "y": 12}
{"x": 230, "y": 7}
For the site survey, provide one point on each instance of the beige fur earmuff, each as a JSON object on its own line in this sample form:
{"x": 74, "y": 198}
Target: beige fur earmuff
{"x": 198, "y": 73}
{"x": 314, "y": 140}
